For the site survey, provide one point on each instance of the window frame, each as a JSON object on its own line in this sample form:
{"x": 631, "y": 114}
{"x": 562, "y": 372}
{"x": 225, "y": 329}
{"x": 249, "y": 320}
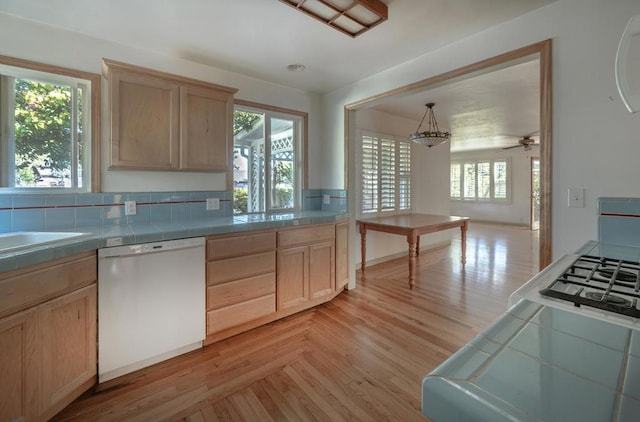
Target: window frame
{"x": 300, "y": 168}
{"x": 462, "y": 163}
{"x": 92, "y": 161}
{"x": 401, "y": 174}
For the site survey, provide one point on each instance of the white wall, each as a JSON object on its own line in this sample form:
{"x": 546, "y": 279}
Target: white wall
{"x": 518, "y": 209}
{"x": 428, "y": 165}
{"x": 596, "y": 144}
{"x": 59, "y": 47}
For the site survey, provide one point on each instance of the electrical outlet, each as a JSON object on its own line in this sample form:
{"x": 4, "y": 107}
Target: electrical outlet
{"x": 326, "y": 199}
{"x": 129, "y": 207}
{"x": 213, "y": 204}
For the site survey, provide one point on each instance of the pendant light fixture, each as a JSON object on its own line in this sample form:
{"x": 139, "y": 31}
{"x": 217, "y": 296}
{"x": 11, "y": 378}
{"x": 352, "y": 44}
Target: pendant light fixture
{"x": 432, "y": 136}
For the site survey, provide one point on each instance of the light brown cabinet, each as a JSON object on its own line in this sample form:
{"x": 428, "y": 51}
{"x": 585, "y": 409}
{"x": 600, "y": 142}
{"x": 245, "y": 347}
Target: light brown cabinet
{"x": 68, "y": 346}
{"x": 161, "y": 121}
{"x": 47, "y": 336}
{"x": 342, "y": 255}
{"x": 306, "y": 264}
{"x": 293, "y": 276}
{"x": 259, "y": 277}
{"x": 144, "y": 121}
{"x": 241, "y": 280}
{"x": 205, "y": 129}
{"x": 322, "y": 271}
{"x": 19, "y": 366}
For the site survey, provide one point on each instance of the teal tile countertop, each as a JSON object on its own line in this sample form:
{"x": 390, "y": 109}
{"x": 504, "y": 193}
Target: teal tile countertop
{"x": 132, "y": 234}
{"x": 538, "y": 363}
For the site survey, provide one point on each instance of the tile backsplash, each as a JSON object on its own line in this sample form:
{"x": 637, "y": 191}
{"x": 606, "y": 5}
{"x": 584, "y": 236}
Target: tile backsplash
{"x": 33, "y": 212}
{"x": 313, "y": 199}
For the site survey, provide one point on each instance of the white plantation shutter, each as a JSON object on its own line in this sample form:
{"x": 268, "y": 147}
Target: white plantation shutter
{"x": 469, "y": 180}
{"x": 500, "y": 179}
{"x": 370, "y": 174}
{"x": 455, "y": 180}
{"x": 404, "y": 176}
{"x": 385, "y": 175}
{"x": 484, "y": 180}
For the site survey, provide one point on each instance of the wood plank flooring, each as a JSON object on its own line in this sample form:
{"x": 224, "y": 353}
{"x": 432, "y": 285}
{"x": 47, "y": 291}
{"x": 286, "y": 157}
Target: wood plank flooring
{"x": 361, "y": 357}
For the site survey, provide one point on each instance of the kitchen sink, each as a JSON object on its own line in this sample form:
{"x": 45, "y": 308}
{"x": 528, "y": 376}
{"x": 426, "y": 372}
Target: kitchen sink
{"x": 21, "y": 240}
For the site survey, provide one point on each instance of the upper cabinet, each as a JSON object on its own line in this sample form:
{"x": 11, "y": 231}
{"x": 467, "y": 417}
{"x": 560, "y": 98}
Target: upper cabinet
{"x": 628, "y": 65}
{"x": 206, "y": 130}
{"x": 161, "y": 121}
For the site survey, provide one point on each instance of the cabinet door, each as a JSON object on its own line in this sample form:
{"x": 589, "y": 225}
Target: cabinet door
{"x": 342, "y": 255}
{"x": 68, "y": 335}
{"x": 144, "y": 122}
{"x": 19, "y": 366}
{"x": 292, "y": 283}
{"x": 321, "y": 269}
{"x": 206, "y": 118}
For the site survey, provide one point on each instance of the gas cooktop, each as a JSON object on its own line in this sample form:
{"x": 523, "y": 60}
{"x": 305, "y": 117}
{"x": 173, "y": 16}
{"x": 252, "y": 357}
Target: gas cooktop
{"x": 608, "y": 284}
{"x": 590, "y": 283}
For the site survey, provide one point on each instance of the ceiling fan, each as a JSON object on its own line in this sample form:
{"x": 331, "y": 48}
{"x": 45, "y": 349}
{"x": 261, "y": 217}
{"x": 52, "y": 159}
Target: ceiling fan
{"x": 526, "y": 141}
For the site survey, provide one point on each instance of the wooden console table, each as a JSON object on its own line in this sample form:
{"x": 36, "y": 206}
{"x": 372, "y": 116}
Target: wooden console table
{"x": 412, "y": 226}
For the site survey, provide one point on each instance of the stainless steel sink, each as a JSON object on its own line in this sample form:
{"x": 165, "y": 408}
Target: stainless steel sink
{"x": 21, "y": 240}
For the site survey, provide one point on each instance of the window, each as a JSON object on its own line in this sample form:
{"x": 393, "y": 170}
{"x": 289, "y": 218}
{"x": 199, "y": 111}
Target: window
{"x": 47, "y": 141}
{"x": 485, "y": 180}
{"x": 267, "y": 160}
{"x": 455, "y": 181}
{"x": 469, "y": 180}
{"x": 385, "y": 174}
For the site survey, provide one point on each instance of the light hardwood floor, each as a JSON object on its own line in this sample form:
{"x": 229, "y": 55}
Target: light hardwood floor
{"x": 361, "y": 357}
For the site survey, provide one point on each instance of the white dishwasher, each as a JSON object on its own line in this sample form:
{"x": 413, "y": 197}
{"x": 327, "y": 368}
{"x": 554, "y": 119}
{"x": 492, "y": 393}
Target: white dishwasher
{"x": 151, "y": 304}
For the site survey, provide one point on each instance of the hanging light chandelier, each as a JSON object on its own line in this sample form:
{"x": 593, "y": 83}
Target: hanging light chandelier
{"x": 432, "y": 136}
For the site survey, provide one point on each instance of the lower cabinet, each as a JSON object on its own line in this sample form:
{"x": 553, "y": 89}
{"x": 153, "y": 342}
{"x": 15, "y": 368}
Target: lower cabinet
{"x": 258, "y": 277}
{"x": 48, "y": 337}
{"x": 322, "y": 279}
{"x": 19, "y": 366}
{"x": 293, "y": 276}
{"x": 342, "y": 255}
{"x": 306, "y": 264}
{"x": 68, "y": 346}
{"x": 241, "y": 280}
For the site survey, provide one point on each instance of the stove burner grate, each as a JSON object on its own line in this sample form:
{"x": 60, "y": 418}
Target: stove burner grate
{"x": 622, "y": 275}
{"x": 589, "y": 281}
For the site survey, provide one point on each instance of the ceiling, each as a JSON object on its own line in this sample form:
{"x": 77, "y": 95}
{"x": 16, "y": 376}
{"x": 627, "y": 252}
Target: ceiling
{"x": 489, "y": 111}
{"x": 260, "y": 38}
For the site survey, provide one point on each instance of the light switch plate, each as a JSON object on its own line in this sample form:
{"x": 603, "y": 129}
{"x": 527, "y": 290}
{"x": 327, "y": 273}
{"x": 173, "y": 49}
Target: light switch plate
{"x": 576, "y": 197}
{"x": 213, "y": 204}
{"x": 129, "y": 207}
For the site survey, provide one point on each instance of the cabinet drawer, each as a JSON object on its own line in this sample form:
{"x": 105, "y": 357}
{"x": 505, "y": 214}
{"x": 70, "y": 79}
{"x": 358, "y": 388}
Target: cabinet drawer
{"x": 241, "y": 267}
{"x": 226, "y": 247}
{"x": 20, "y": 289}
{"x": 305, "y": 235}
{"x": 232, "y": 292}
{"x": 220, "y": 319}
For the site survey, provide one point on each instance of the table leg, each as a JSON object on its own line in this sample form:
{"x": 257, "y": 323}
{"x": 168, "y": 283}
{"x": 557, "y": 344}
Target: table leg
{"x": 363, "y": 246}
{"x": 418, "y": 246}
{"x": 412, "y": 260}
{"x": 463, "y": 244}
